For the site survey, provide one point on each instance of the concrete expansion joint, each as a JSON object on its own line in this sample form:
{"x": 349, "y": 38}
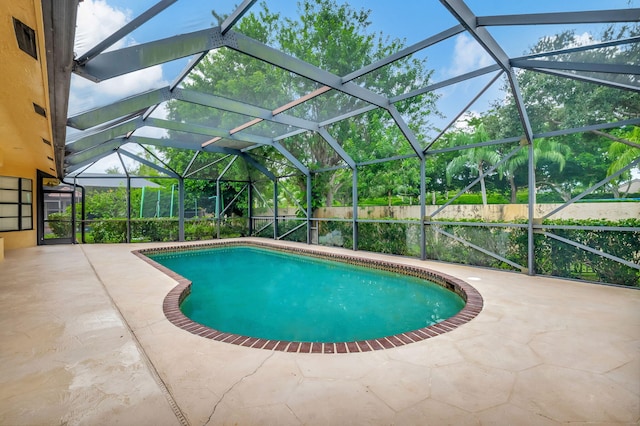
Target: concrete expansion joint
{"x": 237, "y": 382}
{"x": 143, "y": 354}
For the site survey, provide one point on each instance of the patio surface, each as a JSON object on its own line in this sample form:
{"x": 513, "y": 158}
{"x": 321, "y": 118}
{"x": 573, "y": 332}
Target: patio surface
{"x": 83, "y": 340}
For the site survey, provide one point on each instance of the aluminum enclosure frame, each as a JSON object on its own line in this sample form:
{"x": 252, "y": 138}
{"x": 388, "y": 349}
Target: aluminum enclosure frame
{"x": 107, "y": 129}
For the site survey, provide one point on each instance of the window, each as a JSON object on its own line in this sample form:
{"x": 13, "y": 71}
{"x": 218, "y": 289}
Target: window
{"x": 16, "y": 212}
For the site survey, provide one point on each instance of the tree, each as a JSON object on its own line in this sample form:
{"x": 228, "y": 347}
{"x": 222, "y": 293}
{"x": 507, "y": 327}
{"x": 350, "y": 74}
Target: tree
{"x": 546, "y": 150}
{"x": 621, "y": 154}
{"x": 478, "y": 159}
{"x": 557, "y": 103}
{"x": 335, "y": 38}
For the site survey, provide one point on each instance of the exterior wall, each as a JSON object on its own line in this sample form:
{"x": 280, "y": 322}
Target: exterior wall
{"x": 492, "y": 212}
{"x": 20, "y": 239}
{"x": 23, "y": 132}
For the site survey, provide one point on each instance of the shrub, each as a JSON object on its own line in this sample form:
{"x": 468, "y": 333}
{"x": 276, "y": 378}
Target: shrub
{"x": 109, "y": 230}
{"x": 60, "y": 224}
{"x": 553, "y": 257}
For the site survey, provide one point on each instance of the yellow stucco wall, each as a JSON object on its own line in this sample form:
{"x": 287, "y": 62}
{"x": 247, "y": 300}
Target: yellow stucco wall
{"x": 22, "y": 131}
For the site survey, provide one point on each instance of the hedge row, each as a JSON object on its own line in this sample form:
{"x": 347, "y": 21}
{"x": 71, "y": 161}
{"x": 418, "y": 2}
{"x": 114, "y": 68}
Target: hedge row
{"x": 552, "y": 257}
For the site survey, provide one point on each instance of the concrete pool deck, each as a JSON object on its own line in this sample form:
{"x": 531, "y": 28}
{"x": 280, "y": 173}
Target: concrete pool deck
{"x": 84, "y": 341}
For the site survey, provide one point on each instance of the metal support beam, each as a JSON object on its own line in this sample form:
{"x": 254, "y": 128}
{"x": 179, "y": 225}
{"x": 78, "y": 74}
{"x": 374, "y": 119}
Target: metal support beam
{"x": 94, "y": 139}
{"x": 441, "y": 36}
{"x": 386, "y": 160}
{"x": 591, "y": 250}
{"x": 198, "y": 129}
{"x": 582, "y": 48}
{"x": 577, "y": 66}
{"x": 531, "y": 211}
{"x": 309, "y": 211}
{"x": 341, "y": 117}
{"x": 186, "y": 175}
{"x": 354, "y": 201}
{"x": 275, "y": 209}
{"x": 93, "y": 154}
{"x": 193, "y": 159}
{"x": 160, "y": 160}
{"x": 423, "y": 207}
{"x": 475, "y": 145}
{"x": 238, "y": 107}
{"x": 128, "y": 207}
{"x": 562, "y": 18}
{"x": 463, "y": 110}
{"x": 58, "y": 29}
{"x": 336, "y": 147}
{"x": 444, "y": 83}
{"x": 173, "y": 143}
{"x": 118, "y": 109}
{"x": 406, "y": 131}
{"x": 129, "y": 59}
{"x": 590, "y": 80}
{"x": 181, "y": 193}
{"x": 236, "y": 16}
{"x": 289, "y": 156}
{"x": 275, "y": 57}
{"x": 477, "y": 247}
{"x": 593, "y": 188}
{"x": 233, "y": 200}
{"x": 631, "y": 122}
{"x": 124, "y": 30}
{"x": 519, "y": 101}
{"x": 464, "y": 15}
{"x": 250, "y": 207}
{"x": 148, "y": 163}
{"x": 251, "y": 161}
{"x": 219, "y": 194}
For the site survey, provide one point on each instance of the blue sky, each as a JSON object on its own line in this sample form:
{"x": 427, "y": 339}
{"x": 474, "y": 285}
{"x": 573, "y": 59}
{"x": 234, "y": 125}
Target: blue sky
{"x": 412, "y": 20}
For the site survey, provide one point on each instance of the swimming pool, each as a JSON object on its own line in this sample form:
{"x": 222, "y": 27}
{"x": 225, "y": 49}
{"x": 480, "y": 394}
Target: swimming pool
{"x": 313, "y": 302}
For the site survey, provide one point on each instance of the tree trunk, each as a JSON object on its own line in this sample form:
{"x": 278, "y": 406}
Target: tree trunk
{"x": 615, "y": 139}
{"x": 332, "y": 189}
{"x": 514, "y": 189}
{"x": 484, "y": 192}
{"x": 483, "y": 189}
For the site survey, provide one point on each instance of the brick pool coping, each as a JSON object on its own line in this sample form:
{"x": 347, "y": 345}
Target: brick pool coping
{"x": 171, "y": 305}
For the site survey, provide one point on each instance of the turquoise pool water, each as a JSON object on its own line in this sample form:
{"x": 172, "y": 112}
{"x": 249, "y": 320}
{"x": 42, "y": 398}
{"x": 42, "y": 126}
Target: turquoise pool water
{"x": 280, "y": 296}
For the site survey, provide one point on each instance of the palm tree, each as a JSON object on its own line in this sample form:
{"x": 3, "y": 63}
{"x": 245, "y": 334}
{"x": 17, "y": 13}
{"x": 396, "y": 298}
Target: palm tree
{"x": 622, "y": 155}
{"x": 544, "y": 149}
{"x": 477, "y": 159}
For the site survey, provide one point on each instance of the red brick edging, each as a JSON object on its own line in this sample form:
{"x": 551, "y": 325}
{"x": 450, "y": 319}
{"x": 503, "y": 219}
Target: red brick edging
{"x": 171, "y": 304}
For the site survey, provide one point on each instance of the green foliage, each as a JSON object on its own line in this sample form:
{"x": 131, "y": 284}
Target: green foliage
{"x": 394, "y": 238}
{"x": 196, "y": 230}
{"x": 155, "y": 229}
{"x": 60, "y": 224}
{"x": 336, "y": 38}
{"x": 557, "y": 258}
{"x": 444, "y": 248}
{"x": 570, "y": 163}
{"x": 108, "y": 231}
{"x": 234, "y": 227}
{"x": 108, "y": 202}
{"x": 342, "y": 229}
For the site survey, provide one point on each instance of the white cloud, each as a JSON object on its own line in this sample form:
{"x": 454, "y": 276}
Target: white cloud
{"x": 86, "y": 95}
{"x": 463, "y": 122}
{"x": 96, "y": 21}
{"x": 468, "y": 55}
{"x": 583, "y": 39}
